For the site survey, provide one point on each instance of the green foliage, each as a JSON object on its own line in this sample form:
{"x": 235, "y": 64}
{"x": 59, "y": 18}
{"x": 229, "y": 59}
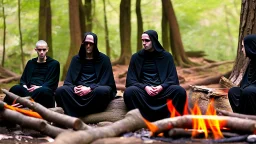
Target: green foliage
{"x": 208, "y": 25}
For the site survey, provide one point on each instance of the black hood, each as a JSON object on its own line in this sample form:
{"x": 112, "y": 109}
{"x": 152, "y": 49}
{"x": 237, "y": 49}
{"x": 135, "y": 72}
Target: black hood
{"x": 154, "y": 38}
{"x": 82, "y": 52}
{"x": 250, "y": 46}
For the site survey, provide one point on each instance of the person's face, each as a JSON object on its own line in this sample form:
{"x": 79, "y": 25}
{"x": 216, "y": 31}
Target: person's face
{"x": 243, "y": 50}
{"x": 41, "y": 51}
{"x": 89, "y": 44}
{"x": 146, "y": 42}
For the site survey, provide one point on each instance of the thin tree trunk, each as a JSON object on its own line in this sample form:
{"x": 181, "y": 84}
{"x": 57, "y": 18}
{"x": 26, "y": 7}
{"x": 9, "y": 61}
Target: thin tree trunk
{"x": 247, "y": 26}
{"x": 165, "y": 30}
{"x": 4, "y": 33}
{"x": 179, "y": 54}
{"x": 88, "y": 15}
{"x": 21, "y": 42}
{"x": 75, "y": 33}
{"x": 139, "y": 25}
{"x": 125, "y": 32}
{"x": 82, "y": 18}
{"x": 45, "y": 24}
{"x": 106, "y": 30}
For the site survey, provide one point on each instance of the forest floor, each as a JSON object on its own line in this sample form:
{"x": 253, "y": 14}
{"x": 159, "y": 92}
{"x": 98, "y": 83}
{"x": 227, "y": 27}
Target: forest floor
{"x": 187, "y": 76}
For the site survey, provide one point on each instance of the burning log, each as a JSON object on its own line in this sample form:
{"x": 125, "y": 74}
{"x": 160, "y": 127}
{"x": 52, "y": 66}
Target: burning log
{"x": 115, "y": 111}
{"x": 180, "y": 132}
{"x": 231, "y": 114}
{"x": 29, "y": 122}
{"x": 132, "y": 121}
{"x": 49, "y": 115}
{"x": 186, "y": 121}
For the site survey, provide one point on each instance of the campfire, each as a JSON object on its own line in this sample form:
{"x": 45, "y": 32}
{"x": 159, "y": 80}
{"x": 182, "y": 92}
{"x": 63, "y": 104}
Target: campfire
{"x": 196, "y": 123}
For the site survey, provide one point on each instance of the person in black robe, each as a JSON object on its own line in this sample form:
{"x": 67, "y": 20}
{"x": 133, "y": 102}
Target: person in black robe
{"x": 39, "y": 79}
{"x": 152, "y": 79}
{"x": 89, "y": 85}
{"x": 243, "y": 98}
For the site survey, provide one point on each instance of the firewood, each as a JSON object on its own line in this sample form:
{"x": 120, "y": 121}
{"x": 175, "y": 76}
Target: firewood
{"x": 51, "y": 116}
{"x": 132, "y": 121}
{"x": 186, "y": 121}
{"x": 57, "y": 109}
{"x": 231, "y": 114}
{"x": 30, "y": 122}
{"x": 180, "y": 132}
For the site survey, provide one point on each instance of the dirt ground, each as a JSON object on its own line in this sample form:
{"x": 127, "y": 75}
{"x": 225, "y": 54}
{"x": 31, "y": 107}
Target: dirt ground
{"x": 17, "y": 135}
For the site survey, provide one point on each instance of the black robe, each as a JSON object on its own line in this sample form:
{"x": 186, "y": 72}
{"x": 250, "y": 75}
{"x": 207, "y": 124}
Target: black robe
{"x": 154, "y": 108}
{"x": 45, "y": 94}
{"x": 75, "y": 105}
{"x": 243, "y": 99}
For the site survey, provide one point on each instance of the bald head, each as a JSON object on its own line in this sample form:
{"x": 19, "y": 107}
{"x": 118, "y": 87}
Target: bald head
{"x": 41, "y": 43}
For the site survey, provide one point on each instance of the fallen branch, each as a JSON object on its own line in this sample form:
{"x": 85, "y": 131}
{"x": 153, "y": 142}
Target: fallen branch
{"x": 9, "y": 79}
{"x": 186, "y": 121}
{"x": 204, "y": 81}
{"x": 211, "y": 65}
{"x": 49, "y": 115}
{"x": 30, "y": 122}
{"x": 132, "y": 121}
{"x": 231, "y": 114}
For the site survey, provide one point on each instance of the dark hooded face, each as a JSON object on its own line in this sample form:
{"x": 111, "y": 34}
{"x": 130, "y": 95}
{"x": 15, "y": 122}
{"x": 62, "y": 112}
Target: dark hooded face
{"x": 146, "y": 42}
{"x": 89, "y": 44}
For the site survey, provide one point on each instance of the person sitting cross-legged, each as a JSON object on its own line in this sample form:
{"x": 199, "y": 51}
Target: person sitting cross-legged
{"x": 39, "y": 79}
{"x": 89, "y": 85}
{"x": 152, "y": 79}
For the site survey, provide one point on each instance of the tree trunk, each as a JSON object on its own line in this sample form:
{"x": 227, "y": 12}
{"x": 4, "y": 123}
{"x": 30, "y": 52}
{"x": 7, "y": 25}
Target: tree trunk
{"x": 82, "y": 18}
{"x": 178, "y": 52}
{"x": 125, "y": 32}
{"x": 4, "y": 32}
{"x": 106, "y": 30}
{"x": 21, "y": 42}
{"x": 165, "y": 30}
{"x": 139, "y": 25}
{"x": 247, "y": 26}
{"x": 75, "y": 33}
{"x": 88, "y": 15}
{"x": 45, "y": 24}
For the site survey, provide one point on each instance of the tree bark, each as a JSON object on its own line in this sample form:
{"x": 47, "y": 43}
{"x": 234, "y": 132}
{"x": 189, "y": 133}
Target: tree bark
{"x": 47, "y": 114}
{"x": 4, "y": 32}
{"x": 21, "y": 41}
{"x": 82, "y": 18}
{"x": 88, "y": 15}
{"x": 247, "y": 26}
{"x": 45, "y": 24}
{"x": 125, "y": 33}
{"x": 115, "y": 111}
{"x": 75, "y": 33}
{"x": 165, "y": 30}
{"x": 108, "y": 50}
{"x": 139, "y": 25}
{"x": 178, "y": 51}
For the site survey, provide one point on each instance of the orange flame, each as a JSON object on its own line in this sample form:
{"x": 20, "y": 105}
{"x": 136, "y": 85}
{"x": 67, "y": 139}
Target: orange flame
{"x": 172, "y": 109}
{"x": 153, "y": 128}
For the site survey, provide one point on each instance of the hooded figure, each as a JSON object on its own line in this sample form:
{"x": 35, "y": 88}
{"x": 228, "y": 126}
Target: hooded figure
{"x": 89, "y": 85}
{"x": 39, "y": 79}
{"x": 152, "y": 79}
{"x": 243, "y": 99}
